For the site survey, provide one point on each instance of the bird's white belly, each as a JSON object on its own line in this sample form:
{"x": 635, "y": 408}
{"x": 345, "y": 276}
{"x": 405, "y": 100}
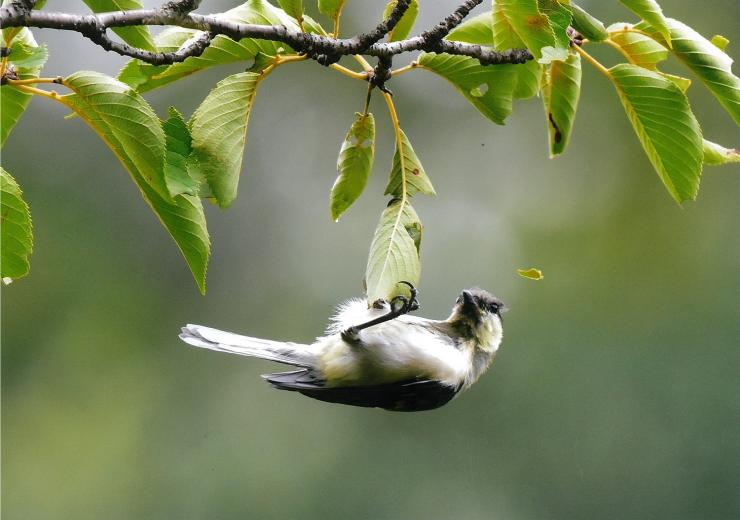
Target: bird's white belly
{"x": 389, "y": 353}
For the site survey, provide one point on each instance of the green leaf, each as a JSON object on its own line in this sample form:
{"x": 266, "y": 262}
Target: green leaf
{"x": 13, "y": 102}
{"x": 394, "y": 252}
{"x": 405, "y": 24}
{"x": 720, "y": 42}
{"x": 715, "y": 154}
{"x": 16, "y": 235}
{"x": 407, "y": 176}
{"x": 527, "y": 74}
{"x": 179, "y": 147}
{"x": 667, "y": 129}
{"x": 254, "y": 54}
{"x": 354, "y": 164}
{"x": 129, "y": 120}
{"x": 560, "y": 95}
{"x": 331, "y": 8}
{"x": 681, "y": 82}
{"x": 709, "y": 63}
{"x": 219, "y": 130}
{"x": 293, "y": 8}
{"x": 560, "y": 16}
{"x": 650, "y": 11}
{"x": 129, "y": 127}
{"x": 589, "y": 26}
{"x": 488, "y": 88}
{"x": 137, "y": 36}
{"x": 531, "y": 26}
{"x": 477, "y": 30}
{"x": 638, "y": 48}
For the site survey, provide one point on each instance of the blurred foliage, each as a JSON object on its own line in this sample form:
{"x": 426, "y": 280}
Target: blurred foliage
{"x": 615, "y": 394}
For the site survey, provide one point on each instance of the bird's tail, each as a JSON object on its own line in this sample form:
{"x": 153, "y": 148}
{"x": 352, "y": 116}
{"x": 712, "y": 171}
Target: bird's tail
{"x": 289, "y": 353}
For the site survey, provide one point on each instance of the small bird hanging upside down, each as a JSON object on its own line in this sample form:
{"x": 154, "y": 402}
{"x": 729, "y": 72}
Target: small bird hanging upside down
{"x": 380, "y": 356}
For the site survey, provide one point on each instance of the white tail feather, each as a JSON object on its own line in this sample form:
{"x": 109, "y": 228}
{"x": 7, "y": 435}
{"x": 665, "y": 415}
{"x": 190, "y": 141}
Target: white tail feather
{"x": 213, "y": 339}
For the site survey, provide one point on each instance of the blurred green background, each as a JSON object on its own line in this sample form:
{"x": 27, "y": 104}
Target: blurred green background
{"x": 616, "y": 393}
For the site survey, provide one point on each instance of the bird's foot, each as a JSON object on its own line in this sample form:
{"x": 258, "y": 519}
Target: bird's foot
{"x": 399, "y": 305}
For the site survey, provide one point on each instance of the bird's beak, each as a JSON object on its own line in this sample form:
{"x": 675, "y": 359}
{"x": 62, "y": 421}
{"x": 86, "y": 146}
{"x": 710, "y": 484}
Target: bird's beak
{"x": 467, "y": 299}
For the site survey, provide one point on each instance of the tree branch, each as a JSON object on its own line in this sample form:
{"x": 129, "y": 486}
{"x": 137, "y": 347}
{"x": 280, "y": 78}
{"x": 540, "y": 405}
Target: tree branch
{"x": 94, "y": 26}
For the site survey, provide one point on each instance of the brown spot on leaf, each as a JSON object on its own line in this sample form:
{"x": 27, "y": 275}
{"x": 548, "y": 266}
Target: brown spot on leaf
{"x": 415, "y": 171}
{"x": 537, "y": 21}
{"x": 558, "y": 136}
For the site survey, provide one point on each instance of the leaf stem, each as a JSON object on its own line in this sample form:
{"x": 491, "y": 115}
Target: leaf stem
{"x": 38, "y": 92}
{"x": 370, "y": 87}
{"x": 593, "y": 61}
{"x": 348, "y": 72}
{"x": 615, "y": 45}
{"x": 403, "y": 70}
{"x": 32, "y": 81}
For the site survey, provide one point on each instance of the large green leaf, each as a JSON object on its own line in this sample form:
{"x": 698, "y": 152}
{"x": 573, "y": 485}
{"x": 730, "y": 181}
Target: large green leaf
{"x": 588, "y": 25}
{"x": 219, "y": 130}
{"x": 715, "y": 154}
{"x": 488, "y": 88}
{"x": 354, "y": 164}
{"x": 530, "y": 24}
{"x": 650, "y": 11}
{"x": 707, "y": 61}
{"x": 560, "y": 95}
{"x": 130, "y": 121}
{"x": 130, "y": 128}
{"x": 527, "y": 74}
{"x": 16, "y": 236}
{"x": 405, "y": 24}
{"x": 637, "y": 47}
{"x": 394, "y": 252}
{"x": 27, "y": 57}
{"x": 136, "y": 36}
{"x": 407, "y": 176}
{"x": 222, "y": 50}
{"x": 667, "y": 129}
{"x": 179, "y": 148}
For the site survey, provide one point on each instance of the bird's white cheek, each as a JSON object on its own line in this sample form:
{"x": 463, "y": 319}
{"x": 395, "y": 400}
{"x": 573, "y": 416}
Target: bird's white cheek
{"x": 490, "y": 334}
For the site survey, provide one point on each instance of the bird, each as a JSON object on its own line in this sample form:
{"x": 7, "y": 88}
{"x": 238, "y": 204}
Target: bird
{"x": 379, "y": 355}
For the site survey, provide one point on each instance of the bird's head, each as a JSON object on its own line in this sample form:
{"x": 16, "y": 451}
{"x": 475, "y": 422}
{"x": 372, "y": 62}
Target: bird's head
{"x": 478, "y": 313}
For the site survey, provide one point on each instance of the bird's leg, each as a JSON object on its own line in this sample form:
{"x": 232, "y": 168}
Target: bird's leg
{"x": 400, "y": 305}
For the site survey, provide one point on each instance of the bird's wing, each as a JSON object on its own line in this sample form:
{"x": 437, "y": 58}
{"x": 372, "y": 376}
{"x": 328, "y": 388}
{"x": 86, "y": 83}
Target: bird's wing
{"x": 404, "y": 396}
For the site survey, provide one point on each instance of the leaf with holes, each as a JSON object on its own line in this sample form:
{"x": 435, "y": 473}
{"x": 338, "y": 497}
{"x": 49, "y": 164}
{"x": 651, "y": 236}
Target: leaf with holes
{"x": 667, "y": 129}
{"x": 560, "y": 95}
{"x": 219, "y": 130}
{"x": 488, "y": 88}
{"x": 405, "y": 24}
{"x": 179, "y": 147}
{"x": 354, "y": 164}
{"x": 715, "y": 154}
{"x": 650, "y": 11}
{"x": 137, "y": 36}
{"x": 131, "y": 129}
{"x": 637, "y": 47}
{"x": 707, "y": 61}
{"x": 394, "y": 252}
{"x": 588, "y": 25}
{"x": 16, "y": 235}
{"x": 407, "y": 176}
{"x": 27, "y": 57}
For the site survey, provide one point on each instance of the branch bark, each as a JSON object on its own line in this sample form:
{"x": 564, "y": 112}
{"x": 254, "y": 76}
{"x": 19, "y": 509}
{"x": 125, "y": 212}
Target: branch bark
{"x": 95, "y": 26}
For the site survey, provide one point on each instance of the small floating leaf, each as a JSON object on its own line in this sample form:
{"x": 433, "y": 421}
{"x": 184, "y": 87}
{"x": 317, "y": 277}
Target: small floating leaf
{"x": 532, "y": 273}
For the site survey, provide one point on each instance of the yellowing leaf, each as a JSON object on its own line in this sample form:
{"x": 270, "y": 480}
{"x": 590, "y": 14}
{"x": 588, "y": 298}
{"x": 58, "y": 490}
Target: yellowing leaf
{"x": 532, "y": 273}
{"x": 354, "y": 164}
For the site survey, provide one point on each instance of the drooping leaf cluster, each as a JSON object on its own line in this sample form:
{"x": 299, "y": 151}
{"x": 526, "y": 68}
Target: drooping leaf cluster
{"x": 176, "y": 162}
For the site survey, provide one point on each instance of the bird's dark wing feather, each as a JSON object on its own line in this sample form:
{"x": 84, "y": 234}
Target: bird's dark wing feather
{"x": 404, "y": 396}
